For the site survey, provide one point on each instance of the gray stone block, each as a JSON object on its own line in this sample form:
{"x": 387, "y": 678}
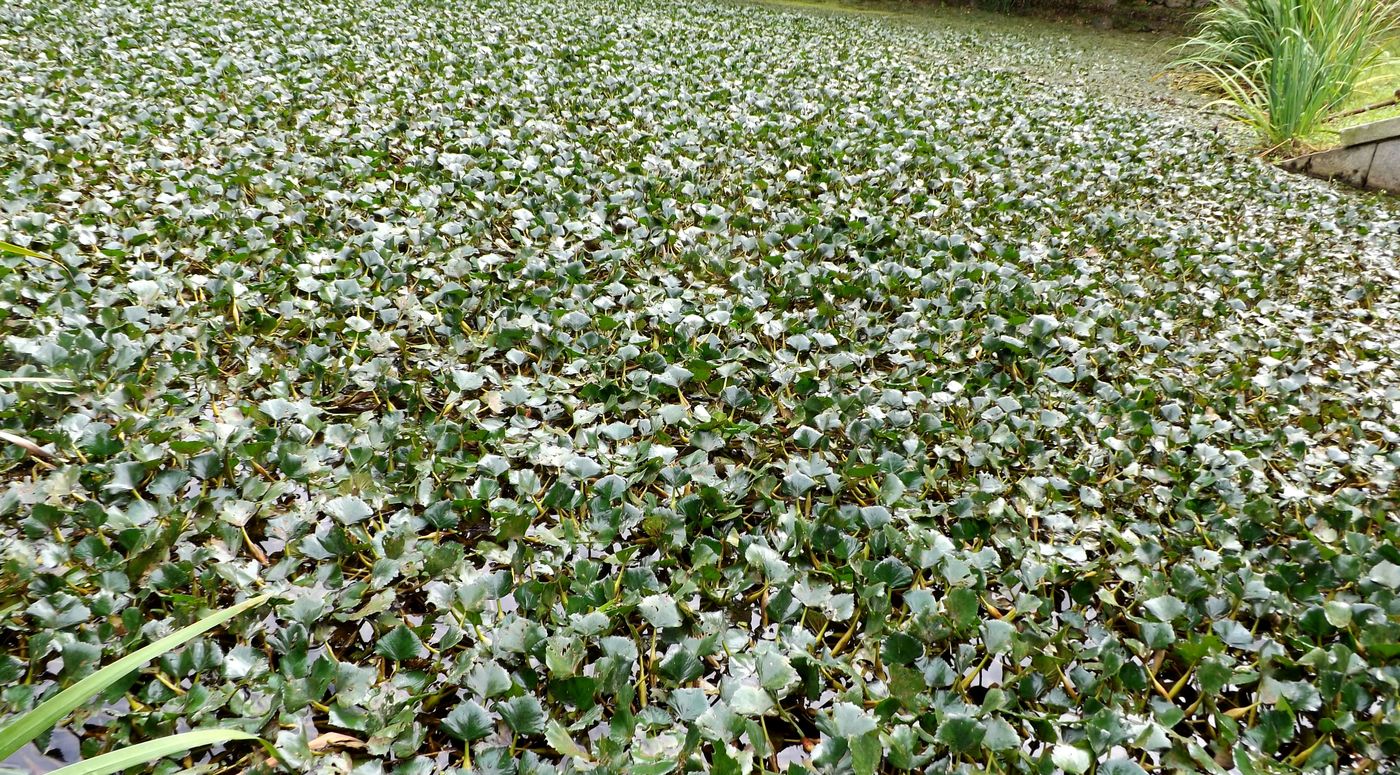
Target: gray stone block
{"x": 1370, "y": 133}
{"x": 1347, "y": 164}
{"x": 1385, "y": 167}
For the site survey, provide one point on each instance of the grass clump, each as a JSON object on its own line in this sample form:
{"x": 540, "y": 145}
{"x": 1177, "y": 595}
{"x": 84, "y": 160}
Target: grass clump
{"x": 1287, "y": 66}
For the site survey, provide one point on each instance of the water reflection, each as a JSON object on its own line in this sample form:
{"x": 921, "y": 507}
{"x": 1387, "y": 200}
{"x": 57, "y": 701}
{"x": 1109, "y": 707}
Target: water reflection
{"x": 31, "y": 761}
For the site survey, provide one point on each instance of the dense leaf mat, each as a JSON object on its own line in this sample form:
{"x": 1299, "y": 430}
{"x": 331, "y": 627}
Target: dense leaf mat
{"x": 661, "y": 385}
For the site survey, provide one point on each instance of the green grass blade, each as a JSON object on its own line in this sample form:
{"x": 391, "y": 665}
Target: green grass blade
{"x": 151, "y": 750}
{"x": 6, "y": 247}
{"x": 13, "y": 249}
{"x": 51, "y": 711}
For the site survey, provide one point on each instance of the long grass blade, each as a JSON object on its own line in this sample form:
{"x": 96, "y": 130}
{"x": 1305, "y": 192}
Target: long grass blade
{"x": 150, "y": 751}
{"x": 13, "y": 249}
{"x": 51, "y": 711}
{"x": 26, "y": 445}
{"x": 7, "y": 247}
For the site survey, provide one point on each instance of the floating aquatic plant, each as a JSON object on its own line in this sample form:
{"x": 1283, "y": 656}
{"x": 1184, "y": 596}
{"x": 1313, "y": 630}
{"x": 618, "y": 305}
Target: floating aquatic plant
{"x": 670, "y": 387}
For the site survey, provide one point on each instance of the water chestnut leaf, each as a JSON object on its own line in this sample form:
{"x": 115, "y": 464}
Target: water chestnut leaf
{"x": 1061, "y": 374}
{"x": 850, "y": 721}
{"x": 901, "y": 649}
{"x": 1071, "y": 759}
{"x": 400, "y": 644}
{"x": 488, "y": 680}
{"x": 559, "y": 739}
{"x": 961, "y": 734}
{"x": 468, "y": 721}
{"x": 1165, "y": 608}
{"x": 1385, "y": 573}
{"x": 348, "y": 509}
{"x": 1000, "y": 736}
{"x": 524, "y": 715}
{"x": 750, "y": 701}
{"x": 660, "y": 611}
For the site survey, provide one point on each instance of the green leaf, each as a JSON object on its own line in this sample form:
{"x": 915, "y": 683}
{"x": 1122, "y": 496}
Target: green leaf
{"x": 1158, "y": 635}
{"x": 850, "y": 721}
{"x": 1121, "y": 766}
{"x": 682, "y": 666}
{"x": 963, "y": 606}
{"x": 891, "y": 490}
{"x": 35, "y": 722}
{"x": 750, "y": 701}
{"x": 577, "y": 691}
{"x": 893, "y": 573}
{"x": 1071, "y": 759}
{"x": 151, "y": 750}
{"x": 1338, "y": 613}
{"x": 660, "y": 611}
{"x": 559, "y": 739}
{"x": 1386, "y": 573}
{"x": 689, "y": 703}
{"x": 488, "y": 679}
{"x": 1000, "y": 736}
{"x": 997, "y": 635}
{"x": 1165, "y": 608}
{"x": 901, "y": 649}
{"x": 775, "y": 569}
{"x": 900, "y": 747}
{"x": 866, "y": 752}
{"x": 661, "y": 767}
{"x": 400, "y": 644}
{"x": 1105, "y": 729}
{"x": 1061, "y": 374}
{"x": 905, "y": 684}
{"x": 349, "y": 509}
{"x": 775, "y": 672}
{"x": 524, "y": 714}
{"x": 960, "y": 733}
{"x": 468, "y": 721}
